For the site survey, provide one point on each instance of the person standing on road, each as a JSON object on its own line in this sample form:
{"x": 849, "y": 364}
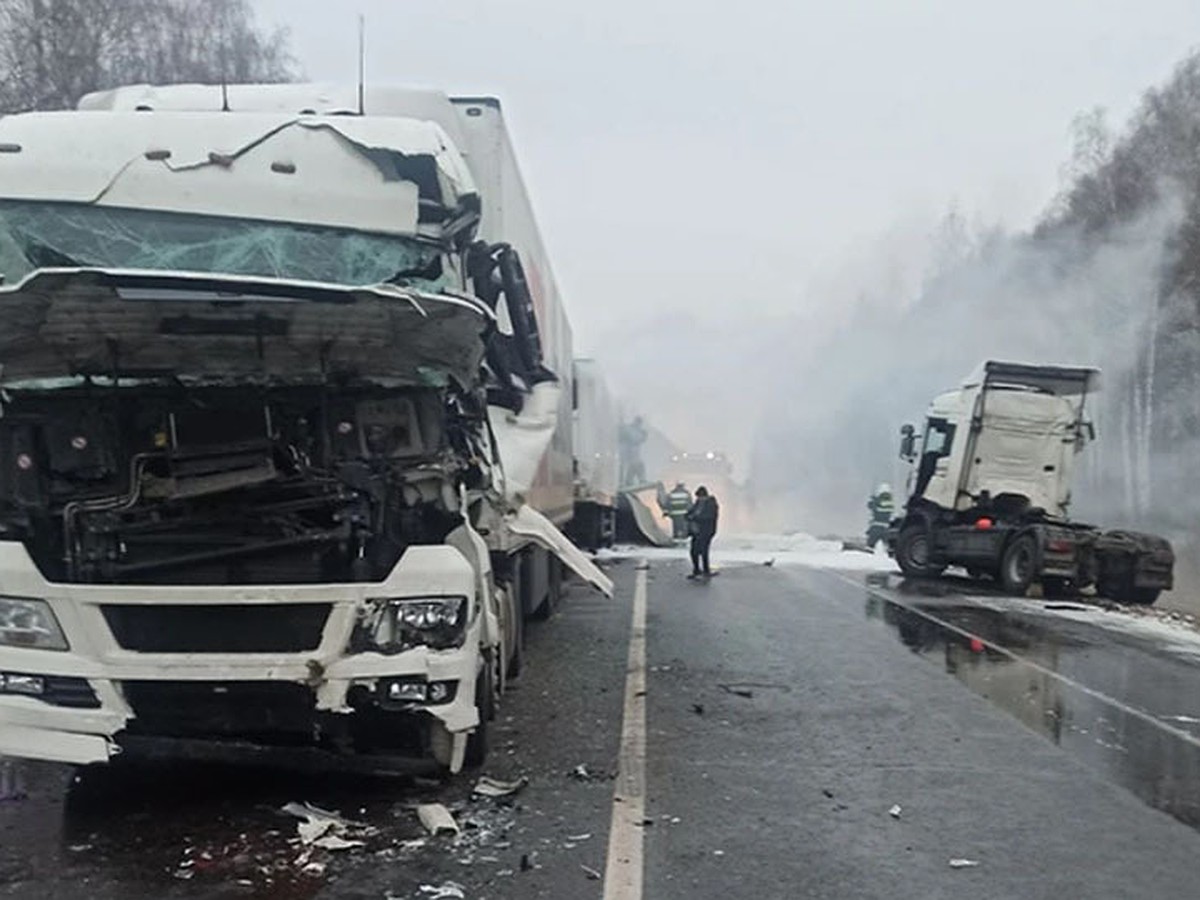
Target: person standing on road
{"x": 702, "y": 525}
{"x": 679, "y": 502}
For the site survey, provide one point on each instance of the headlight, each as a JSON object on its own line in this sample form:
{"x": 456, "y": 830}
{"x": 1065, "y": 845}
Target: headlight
{"x": 391, "y": 626}
{"x": 29, "y": 623}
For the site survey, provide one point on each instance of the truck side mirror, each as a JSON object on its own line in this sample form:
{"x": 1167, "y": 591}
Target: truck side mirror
{"x": 908, "y": 443}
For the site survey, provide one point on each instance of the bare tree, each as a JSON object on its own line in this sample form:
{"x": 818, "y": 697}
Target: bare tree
{"x": 54, "y": 51}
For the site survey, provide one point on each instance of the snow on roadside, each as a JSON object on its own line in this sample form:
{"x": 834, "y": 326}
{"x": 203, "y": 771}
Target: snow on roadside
{"x": 761, "y": 549}
{"x": 1173, "y": 632}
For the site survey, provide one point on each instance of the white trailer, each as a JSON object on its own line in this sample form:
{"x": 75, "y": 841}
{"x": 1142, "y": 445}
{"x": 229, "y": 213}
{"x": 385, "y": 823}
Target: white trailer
{"x": 991, "y": 489}
{"x": 266, "y": 442}
{"x": 597, "y": 458}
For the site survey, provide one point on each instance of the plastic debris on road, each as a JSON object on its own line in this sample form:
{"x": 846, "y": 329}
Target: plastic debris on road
{"x": 895, "y": 811}
{"x": 494, "y": 787}
{"x": 437, "y": 819}
{"x": 959, "y": 863}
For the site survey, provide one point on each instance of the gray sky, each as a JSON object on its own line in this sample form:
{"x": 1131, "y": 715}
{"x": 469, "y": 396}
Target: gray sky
{"x": 694, "y": 159}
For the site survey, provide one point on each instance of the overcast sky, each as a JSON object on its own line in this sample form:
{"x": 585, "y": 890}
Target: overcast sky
{"x": 735, "y": 158}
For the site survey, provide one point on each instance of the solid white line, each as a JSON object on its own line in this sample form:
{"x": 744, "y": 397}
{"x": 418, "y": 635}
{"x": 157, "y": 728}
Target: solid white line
{"x": 623, "y": 871}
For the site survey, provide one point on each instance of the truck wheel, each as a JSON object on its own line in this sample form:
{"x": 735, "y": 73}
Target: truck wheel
{"x": 517, "y": 662}
{"x": 913, "y": 551}
{"x": 1019, "y": 565}
{"x": 485, "y": 703}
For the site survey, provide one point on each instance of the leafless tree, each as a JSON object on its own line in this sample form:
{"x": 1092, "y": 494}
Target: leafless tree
{"x": 54, "y": 51}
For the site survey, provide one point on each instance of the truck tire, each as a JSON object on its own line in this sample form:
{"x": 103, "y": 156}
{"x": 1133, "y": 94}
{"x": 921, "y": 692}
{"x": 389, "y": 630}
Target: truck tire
{"x": 1018, "y": 566}
{"x": 1123, "y": 592}
{"x": 912, "y": 553}
{"x": 485, "y": 703}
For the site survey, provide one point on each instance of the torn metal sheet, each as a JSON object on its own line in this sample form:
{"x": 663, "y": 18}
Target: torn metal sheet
{"x": 529, "y": 523}
{"x": 523, "y": 437}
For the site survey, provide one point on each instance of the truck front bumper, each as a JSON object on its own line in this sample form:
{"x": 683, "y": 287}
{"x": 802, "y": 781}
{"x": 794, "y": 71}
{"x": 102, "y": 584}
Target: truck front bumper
{"x": 108, "y": 693}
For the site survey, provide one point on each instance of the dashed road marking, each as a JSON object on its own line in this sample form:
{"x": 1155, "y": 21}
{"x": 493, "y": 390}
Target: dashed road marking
{"x": 624, "y": 868}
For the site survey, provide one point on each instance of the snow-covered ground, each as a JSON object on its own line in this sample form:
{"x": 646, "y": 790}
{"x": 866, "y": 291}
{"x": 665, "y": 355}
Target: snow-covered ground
{"x": 761, "y": 549}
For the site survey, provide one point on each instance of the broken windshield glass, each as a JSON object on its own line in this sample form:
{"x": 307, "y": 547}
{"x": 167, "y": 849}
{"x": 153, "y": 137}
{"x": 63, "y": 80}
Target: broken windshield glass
{"x": 39, "y": 235}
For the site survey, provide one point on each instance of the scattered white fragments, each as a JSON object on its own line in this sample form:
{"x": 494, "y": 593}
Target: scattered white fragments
{"x": 590, "y": 872}
{"x": 437, "y": 819}
{"x": 449, "y": 890}
{"x": 959, "y": 863}
{"x": 494, "y": 787}
{"x": 895, "y": 811}
{"x": 324, "y": 828}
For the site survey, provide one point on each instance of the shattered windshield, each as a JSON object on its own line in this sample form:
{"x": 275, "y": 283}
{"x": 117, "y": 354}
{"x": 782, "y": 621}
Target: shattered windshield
{"x": 39, "y": 235}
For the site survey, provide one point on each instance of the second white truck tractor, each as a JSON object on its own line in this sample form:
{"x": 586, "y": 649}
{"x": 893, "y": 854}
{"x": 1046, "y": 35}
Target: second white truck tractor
{"x": 991, "y": 489}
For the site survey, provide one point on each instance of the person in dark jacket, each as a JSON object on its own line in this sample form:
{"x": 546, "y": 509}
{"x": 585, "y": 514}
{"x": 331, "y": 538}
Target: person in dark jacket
{"x": 702, "y": 525}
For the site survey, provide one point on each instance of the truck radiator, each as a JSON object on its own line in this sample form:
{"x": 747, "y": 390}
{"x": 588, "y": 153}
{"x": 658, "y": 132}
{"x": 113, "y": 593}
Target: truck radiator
{"x": 222, "y": 628}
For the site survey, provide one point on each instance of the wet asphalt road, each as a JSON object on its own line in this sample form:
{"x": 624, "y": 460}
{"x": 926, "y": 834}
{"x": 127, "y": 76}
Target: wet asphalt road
{"x": 787, "y": 711}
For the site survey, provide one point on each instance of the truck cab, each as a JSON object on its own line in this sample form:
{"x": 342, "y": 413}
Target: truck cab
{"x": 990, "y": 489}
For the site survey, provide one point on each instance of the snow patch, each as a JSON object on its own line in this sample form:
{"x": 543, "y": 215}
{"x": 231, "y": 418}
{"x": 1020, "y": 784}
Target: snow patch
{"x": 766, "y": 549}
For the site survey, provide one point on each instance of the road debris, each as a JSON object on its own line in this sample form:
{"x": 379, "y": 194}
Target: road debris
{"x": 959, "y": 863}
{"x": 737, "y": 691}
{"x": 590, "y": 872}
{"x": 577, "y": 838}
{"x": 449, "y": 890}
{"x": 698, "y": 708}
{"x": 327, "y": 829}
{"x": 494, "y": 787}
{"x": 437, "y": 819}
{"x": 895, "y": 811}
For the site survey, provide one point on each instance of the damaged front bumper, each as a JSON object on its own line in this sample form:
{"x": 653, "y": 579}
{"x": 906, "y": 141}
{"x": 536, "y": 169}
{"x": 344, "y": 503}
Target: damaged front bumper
{"x": 180, "y": 671}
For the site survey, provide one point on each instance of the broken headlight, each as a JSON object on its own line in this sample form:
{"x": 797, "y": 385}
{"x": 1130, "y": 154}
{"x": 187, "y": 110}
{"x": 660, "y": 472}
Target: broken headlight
{"x": 391, "y": 626}
{"x": 29, "y": 623}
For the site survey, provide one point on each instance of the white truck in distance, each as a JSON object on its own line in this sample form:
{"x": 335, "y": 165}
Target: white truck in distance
{"x": 992, "y": 485}
{"x": 279, "y": 415}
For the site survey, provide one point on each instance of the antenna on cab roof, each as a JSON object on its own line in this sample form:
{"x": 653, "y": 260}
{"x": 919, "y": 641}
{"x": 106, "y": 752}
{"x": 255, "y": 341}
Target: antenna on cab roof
{"x": 362, "y": 62}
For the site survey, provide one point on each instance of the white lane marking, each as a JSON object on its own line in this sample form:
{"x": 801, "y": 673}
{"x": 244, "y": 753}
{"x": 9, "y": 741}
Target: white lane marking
{"x": 1185, "y": 736}
{"x": 623, "y": 871}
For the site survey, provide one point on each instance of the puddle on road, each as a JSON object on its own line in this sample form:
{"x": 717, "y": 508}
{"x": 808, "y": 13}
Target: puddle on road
{"x": 1147, "y": 756}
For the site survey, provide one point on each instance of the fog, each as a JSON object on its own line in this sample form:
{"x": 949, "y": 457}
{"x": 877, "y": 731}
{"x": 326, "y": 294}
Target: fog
{"x": 743, "y": 204}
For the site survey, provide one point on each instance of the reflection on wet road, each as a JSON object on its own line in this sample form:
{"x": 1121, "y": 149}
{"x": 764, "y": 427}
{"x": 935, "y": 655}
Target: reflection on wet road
{"x": 1126, "y": 709}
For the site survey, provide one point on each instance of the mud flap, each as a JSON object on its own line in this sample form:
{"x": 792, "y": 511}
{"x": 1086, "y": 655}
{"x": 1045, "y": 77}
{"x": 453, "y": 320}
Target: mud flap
{"x": 528, "y": 523}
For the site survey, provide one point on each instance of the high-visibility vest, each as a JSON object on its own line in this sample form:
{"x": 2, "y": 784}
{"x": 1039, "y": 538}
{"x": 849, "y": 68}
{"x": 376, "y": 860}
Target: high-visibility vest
{"x": 678, "y": 502}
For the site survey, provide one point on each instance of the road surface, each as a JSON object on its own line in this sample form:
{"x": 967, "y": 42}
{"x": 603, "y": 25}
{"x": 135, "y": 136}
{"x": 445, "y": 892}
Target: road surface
{"x": 754, "y": 745}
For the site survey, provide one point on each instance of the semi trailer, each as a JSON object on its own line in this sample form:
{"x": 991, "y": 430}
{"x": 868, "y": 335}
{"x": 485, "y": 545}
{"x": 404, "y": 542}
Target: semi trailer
{"x": 597, "y": 458}
{"x": 283, "y": 432}
{"x": 990, "y": 490}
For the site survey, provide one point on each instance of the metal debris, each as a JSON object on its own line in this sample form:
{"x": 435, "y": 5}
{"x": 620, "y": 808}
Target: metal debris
{"x": 437, "y": 819}
{"x": 494, "y": 787}
{"x": 959, "y": 863}
{"x": 590, "y": 872}
{"x": 325, "y": 828}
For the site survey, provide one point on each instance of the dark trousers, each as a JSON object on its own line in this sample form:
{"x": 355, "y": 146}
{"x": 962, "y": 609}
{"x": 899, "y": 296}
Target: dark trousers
{"x": 699, "y": 550}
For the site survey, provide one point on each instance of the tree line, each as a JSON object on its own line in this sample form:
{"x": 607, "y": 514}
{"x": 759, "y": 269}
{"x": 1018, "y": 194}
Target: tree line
{"x": 52, "y": 52}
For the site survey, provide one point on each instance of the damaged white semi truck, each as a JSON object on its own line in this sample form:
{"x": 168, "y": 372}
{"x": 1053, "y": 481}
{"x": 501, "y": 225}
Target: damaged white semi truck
{"x": 284, "y": 427}
{"x": 991, "y": 489}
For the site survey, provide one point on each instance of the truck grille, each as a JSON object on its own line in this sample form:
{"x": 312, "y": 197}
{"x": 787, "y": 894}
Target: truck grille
{"x": 246, "y": 709}
{"x": 231, "y": 628}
